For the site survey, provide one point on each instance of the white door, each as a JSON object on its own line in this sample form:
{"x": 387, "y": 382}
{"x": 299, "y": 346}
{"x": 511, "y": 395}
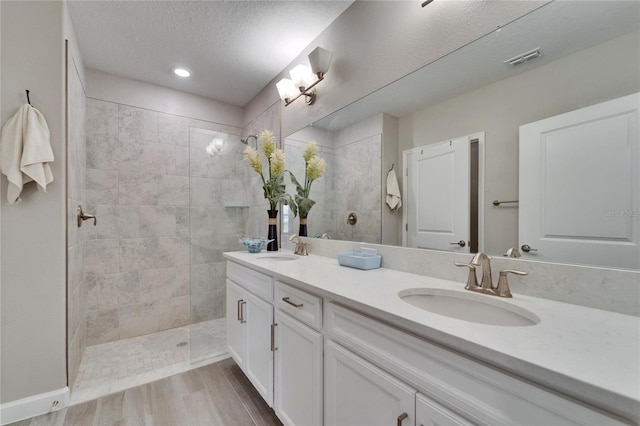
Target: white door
{"x": 298, "y": 372}
{"x": 437, "y": 196}
{"x": 259, "y": 358}
{"x": 236, "y": 333}
{"x": 580, "y": 186}
{"x": 358, "y": 393}
{"x": 430, "y": 413}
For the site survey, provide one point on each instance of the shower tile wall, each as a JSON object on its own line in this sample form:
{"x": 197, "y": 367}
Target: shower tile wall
{"x": 138, "y": 259}
{"x": 358, "y": 189}
{"x": 76, "y": 168}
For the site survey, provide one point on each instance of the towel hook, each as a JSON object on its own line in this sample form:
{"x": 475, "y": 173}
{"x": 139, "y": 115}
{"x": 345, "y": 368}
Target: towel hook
{"x": 392, "y": 165}
{"x": 28, "y": 100}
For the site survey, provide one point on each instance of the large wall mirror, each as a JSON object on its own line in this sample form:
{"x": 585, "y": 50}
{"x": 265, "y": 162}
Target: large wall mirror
{"x": 589, "y": 54}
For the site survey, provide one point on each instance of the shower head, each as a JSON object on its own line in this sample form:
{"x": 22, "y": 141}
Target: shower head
{"x": 246, "y": 140}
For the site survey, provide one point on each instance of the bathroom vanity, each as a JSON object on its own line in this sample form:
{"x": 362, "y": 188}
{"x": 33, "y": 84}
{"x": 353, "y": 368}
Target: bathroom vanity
{"x": 325, "y": 344}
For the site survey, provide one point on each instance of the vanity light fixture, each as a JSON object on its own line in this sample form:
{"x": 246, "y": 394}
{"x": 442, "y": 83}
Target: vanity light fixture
{"x": 524, "y": 57}
{"x": 181, "y": 72}
{"x": 302, "y": 78}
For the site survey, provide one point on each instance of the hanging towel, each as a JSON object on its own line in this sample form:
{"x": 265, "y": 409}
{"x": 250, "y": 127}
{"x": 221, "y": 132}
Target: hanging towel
{"x": 393, "y": 191}
{"x": 26, "y": 151}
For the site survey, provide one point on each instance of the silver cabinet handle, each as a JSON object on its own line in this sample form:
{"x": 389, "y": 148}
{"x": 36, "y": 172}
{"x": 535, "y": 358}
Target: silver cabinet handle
{"x": 459, "y": 243}
{"x": 297, "y": 305}
{"x": 238, "y": 310}
{"x": 527, "y": 248}
{"x": 401, "y": 417}
{"x": 273, "y": 337}
{"x": 242, "y": 320}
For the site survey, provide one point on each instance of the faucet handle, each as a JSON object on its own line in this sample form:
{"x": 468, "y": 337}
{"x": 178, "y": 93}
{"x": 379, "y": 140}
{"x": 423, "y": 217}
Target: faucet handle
{"x": 472, "y": 279}
{"x": 502, "y": 289}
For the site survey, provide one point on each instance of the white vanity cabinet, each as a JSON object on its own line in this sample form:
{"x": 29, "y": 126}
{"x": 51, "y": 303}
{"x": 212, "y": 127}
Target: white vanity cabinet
{"x": 358, "y": 393}
{"x": 321, "y": 361}
{"x": 249, "y": 320}
{"x": 298, "y": 358}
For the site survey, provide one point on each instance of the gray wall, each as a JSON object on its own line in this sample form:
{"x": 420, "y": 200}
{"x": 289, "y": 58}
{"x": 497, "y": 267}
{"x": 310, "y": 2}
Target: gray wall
{"x": 33, "y": 232}
{"x": 364, "y": 61}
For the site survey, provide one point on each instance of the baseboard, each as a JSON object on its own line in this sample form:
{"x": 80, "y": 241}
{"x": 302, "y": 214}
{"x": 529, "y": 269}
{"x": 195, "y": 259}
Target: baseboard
{"x": 32, "y": 406}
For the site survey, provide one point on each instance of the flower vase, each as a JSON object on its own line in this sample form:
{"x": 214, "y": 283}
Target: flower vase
{"x": 303, "y": 227}
{"x": 272, "y": 234}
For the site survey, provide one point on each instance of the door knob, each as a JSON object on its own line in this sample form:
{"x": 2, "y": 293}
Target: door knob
{"x": 459, "y": 243}
{"x": 527, "y": 248}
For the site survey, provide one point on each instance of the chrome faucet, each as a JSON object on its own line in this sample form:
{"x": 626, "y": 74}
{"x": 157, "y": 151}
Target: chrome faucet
{"x": 301, "y": 247}
{"x": 512, "y": 252}
{"x": 486, "y": 285}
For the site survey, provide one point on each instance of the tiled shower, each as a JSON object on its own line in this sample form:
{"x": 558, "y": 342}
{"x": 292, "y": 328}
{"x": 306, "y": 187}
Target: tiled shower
{"x": 166, "y": 212}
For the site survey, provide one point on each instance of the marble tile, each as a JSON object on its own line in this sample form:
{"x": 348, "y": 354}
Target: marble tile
{"x": 102, "y": 186}
{"x": 102, "y": 117}
{"x": 114, "y": 290}
{"x": 173, "y": 312}
{"x": 210, "y": 249}
{"x": 157, "y": 158}
{"x": 206, "y": 306}
{"x": 182, "y": 221}
{"x": 157, "y": 221}
{"x": 173, "y": 190}
{"x": 137, "y": 123}
{"x": 117, "y": 221}
{"x": 173, "y": 129}
{"x": 115, "y": 366}
{"x": 204, "y": 192}
{"x": 138, "y": 253}
{"x": 208, "y": 277}
{"x": 75, "y": 266}
{"x": 102, "y": 256}
{"x": 138, "y": 188}
{"x": 112, "y": 153}
{"x": 220, "y": 220}
{"x": 182, "y": 161}
{"x": 138, "y": 319}
{"x": 163, "y": 283}
{"x": 173, "y": 251}
{"x": 75, "y": 311}
{"x": 102, "y": 326}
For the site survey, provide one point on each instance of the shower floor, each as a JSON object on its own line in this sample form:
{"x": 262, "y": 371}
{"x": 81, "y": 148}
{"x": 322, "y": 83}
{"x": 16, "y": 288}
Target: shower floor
{"x": 112, "y": 367}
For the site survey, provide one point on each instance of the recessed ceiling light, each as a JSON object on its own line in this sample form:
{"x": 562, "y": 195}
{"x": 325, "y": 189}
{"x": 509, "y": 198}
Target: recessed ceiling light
{"x": 181, "y": 72}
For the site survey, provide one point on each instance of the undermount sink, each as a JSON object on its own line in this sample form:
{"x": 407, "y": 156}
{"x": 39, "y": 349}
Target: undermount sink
{"x": 278, "y": 256}
{"x": 470, "y": 307}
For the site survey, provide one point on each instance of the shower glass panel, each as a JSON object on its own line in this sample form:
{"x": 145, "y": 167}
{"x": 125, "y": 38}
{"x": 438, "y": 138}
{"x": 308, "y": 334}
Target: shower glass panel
{"x": 217, "y": 217}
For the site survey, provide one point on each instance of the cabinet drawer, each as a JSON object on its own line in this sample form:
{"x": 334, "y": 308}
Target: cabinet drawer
{"x": 474, "y": 390}
{"x": 299, "y": 304}
{"x": 256, "y": 282}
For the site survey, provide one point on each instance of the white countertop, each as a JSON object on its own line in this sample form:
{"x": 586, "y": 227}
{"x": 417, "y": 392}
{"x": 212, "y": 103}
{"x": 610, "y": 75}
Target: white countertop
{"x": 590, "y": 354}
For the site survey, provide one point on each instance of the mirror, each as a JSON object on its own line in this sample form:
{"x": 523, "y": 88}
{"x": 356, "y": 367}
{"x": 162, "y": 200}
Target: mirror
{"x": 589, "y": 54}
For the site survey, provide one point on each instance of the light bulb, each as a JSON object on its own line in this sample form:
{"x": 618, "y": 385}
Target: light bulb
{"x": 286, "y": 89}
{"x": 301, "y": 76}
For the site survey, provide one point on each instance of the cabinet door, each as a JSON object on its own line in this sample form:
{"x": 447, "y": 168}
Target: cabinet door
{"x": 259, "y": 358}
{"x": 236, "y": 334}
{"x": 430, "y": 413}
{"x": 298, "y": 372}
{"x": 358, "y": 393}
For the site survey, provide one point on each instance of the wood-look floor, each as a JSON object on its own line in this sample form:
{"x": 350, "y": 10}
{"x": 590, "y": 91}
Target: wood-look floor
{"x": 217, "y": 394}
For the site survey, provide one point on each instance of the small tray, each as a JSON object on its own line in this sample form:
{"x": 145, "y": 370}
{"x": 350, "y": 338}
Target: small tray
{"x": 359, "y": 260}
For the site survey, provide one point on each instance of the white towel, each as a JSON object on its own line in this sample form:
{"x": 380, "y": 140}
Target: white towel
{"x": 394, "y": 200}
{"x": 26, "y": 151}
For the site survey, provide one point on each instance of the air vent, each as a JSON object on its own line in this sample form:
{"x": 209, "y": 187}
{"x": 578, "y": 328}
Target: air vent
{"x": 524, "y": 57}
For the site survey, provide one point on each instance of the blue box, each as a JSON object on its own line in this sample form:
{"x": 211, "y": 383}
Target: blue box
{"x": 359, "y": 260}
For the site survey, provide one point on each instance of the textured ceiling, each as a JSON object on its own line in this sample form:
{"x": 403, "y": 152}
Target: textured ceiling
{"x": 233, "y": 48}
